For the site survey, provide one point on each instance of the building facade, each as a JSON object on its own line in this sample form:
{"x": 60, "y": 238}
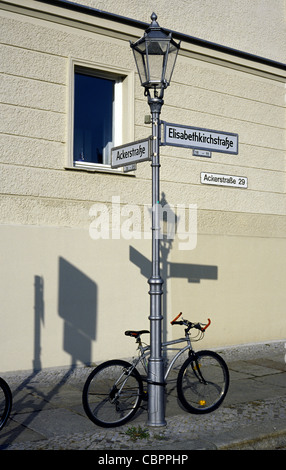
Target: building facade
{"x": 75, "y": 233}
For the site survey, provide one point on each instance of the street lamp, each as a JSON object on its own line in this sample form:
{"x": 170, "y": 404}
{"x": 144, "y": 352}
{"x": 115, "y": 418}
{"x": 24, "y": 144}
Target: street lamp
{"x": 155, "y": 56}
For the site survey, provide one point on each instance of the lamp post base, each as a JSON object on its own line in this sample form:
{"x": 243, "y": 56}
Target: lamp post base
{"x": 156, "y": 385}
{"x": 156, "y": 393}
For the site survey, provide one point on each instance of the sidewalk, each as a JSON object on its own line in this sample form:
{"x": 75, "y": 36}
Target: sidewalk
{"x": 47, "y": 412}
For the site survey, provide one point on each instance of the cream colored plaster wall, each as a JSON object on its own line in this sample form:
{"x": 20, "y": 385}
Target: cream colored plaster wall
{"x": 238, "y": 282}
{"x": 255, "y": 26}
{"x": 64, "y": 295}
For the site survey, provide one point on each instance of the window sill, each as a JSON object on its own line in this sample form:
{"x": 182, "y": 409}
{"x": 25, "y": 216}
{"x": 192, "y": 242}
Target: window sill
{"x": 98, "y": 168}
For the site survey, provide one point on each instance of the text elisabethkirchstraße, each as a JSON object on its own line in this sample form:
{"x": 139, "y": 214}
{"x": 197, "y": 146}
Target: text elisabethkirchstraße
{"x": 197, "y": 138}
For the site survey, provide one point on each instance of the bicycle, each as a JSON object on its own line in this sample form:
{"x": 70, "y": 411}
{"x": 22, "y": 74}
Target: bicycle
{"x": 114, "y": 390}
{"x": 5, "y": 402}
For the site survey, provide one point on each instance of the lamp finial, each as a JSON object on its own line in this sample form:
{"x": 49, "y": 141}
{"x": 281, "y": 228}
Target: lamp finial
{"x": 154, "y": 20}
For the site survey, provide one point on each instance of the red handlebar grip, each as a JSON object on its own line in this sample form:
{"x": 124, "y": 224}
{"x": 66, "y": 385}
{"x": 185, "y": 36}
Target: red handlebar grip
{"x": 209, "y": 322}
{"x": 176, "y": 318}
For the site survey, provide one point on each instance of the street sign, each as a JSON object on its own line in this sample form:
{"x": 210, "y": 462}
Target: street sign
{"x": 199, "y": 138}
{"x": 132, "y": 167}
{"x": 224, "y": 180}
{"x": 133, "y": 152}
{"x": 202, "y": 153}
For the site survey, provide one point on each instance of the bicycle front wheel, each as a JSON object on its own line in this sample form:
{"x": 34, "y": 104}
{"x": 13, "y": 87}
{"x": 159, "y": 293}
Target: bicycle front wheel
{"x": 112, "y": 393}
{"x": 203, "y": 382}
{"x": 5, "y": 402}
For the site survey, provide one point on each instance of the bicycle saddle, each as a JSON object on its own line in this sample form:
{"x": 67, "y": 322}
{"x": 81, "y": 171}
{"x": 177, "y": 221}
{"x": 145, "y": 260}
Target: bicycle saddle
{"x": 135, "y": 333}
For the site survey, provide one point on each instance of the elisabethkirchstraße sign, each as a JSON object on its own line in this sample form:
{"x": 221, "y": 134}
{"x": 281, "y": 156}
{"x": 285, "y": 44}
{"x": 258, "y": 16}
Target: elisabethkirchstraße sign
{"x": 198, "y": 138}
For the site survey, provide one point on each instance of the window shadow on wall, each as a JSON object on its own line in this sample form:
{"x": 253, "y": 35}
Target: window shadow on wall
{"x": 77, "y": 306}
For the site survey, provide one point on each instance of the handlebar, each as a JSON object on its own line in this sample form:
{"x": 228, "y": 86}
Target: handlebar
{"x": 199, "y": 326}
{"x": 207, "y": 325}
{"x": 176, "y": 318}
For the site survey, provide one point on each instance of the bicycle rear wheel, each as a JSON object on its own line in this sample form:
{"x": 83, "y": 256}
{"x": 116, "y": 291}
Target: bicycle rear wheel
{"x": 112, "y": 393}
{"x": 203, "y": 382}
{"x": 5, "y": 402}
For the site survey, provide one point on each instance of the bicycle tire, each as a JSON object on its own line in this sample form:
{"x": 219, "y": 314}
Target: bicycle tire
{"x": 5, "y": 402}
{"x": 203, "y": 382}
{"x": 103, "y": 402}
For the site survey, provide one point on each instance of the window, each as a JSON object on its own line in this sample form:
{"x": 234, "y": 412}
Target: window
{"x": 98, "y": 100}
{"x": 93, "y": 119}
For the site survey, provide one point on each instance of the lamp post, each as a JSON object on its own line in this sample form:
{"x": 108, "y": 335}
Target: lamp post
{"x": 155, "y": 56}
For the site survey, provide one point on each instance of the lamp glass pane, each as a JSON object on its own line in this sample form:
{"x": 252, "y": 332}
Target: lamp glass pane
{"x": 172, "y": 56}
{"x": 156, "y": 56}
{"x": 140, "y": 60}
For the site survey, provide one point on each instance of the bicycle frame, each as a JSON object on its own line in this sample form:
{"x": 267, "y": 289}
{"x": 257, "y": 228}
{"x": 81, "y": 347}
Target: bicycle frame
{"x": 126, "y": 373}
{"x": 145, "y": 352}
{"x": 179, "y": 353}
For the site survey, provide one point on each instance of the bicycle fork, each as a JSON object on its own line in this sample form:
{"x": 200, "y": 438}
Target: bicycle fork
{"x": 197, "y": 368}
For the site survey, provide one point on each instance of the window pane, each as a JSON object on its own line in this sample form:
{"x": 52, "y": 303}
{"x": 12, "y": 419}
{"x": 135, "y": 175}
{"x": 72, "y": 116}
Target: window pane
{"x": 93, "y": 105}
